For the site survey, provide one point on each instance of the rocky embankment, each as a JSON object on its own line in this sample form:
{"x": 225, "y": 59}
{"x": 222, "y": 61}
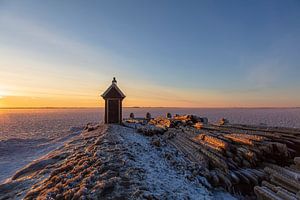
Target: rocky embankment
{"x": 248, "y": 161}
{"x": 110, "y": 162}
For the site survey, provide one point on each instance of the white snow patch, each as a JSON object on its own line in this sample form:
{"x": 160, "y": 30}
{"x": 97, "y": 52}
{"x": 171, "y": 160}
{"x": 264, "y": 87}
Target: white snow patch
{"x": 162, "y": 180}
{"x": 15, "y": 153}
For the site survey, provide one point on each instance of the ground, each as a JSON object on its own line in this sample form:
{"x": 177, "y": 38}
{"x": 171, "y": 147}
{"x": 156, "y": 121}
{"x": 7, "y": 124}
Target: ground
{"x": 111, "y": 162}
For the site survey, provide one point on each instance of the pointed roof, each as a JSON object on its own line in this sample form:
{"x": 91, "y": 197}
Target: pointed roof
{"x": 113, "y": 91}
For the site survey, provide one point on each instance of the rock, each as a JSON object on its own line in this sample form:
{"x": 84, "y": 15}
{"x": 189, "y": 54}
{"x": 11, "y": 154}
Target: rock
{"x": 161, "y": 122}
{"x": 150, "y": 130}
{"x": 156, "y": 142}
{"x": 131, "y": 116}
{"x": 148, "y": 116}
{"x": 169, "y": 115}
{"x": 223, "y": 121}
{"x": 198, "y": 125}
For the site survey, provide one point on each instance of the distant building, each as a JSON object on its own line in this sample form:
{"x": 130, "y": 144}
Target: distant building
{"x": 113, "y": 97}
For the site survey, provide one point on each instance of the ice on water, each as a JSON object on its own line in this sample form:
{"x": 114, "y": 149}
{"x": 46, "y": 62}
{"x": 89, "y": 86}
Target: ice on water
{"x": 26, "y": 134}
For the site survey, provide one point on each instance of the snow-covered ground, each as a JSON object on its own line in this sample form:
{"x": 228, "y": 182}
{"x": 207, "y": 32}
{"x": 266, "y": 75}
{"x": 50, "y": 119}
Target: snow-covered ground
{"x": 25, "y": 134}
{"x": 160, "y": 177}
{"x": 163, "y": 179}
{"x": 50, "y": 123}
{"x": 110, "y": 162}
{"x": 16, "y": 153}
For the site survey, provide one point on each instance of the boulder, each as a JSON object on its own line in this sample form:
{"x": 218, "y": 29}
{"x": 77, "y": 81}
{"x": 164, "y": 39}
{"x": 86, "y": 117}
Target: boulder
{"x": 198, "y": 125}
{"x": 131, "y": 116}
{"x": 168, "y": 115}
{"x": 223, "y": 121}
{"x": 150, "y": 130}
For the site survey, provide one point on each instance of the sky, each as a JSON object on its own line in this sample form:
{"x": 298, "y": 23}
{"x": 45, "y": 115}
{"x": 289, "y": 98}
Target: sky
{"x": 62, "y": 53}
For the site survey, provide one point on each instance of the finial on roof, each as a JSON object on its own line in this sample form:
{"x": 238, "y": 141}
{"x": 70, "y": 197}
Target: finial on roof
{"x": 114, "y": 81}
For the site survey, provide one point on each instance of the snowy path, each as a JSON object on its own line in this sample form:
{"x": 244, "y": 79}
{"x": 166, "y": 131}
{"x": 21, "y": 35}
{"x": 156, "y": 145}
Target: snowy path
{"x": 162, "y": 180}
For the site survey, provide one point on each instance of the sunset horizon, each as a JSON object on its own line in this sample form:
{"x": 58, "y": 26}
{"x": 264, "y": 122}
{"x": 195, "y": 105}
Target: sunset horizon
{"x": 181, "y": 101}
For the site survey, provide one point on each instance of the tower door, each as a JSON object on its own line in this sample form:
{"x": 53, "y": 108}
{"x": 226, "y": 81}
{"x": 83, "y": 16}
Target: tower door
{"x": 113, "y": 111}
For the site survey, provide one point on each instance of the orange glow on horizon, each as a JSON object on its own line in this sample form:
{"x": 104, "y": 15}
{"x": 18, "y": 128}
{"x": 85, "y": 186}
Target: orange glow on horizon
{"x": 31, "y": 102}
{"x": 141, "y": 95}
{"x": 24, "y": 101}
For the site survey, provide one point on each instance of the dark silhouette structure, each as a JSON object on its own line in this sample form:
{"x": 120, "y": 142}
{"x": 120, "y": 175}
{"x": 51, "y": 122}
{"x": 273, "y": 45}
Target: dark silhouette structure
{"x": 113, "y": 97}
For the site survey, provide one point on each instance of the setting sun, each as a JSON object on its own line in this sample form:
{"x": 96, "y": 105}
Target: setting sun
{"x": 2, "y": 94}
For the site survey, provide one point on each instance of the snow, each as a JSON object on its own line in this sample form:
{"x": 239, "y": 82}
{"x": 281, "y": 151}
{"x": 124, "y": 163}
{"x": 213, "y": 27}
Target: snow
{"x": 163, "y": 180}
{"x": 16, "y": 153}
{"x": 25, "y": 134}
{"x": 150, "y": 174}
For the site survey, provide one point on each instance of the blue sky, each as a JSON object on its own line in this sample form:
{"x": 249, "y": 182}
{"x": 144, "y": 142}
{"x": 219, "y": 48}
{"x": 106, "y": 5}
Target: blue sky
{"x": 164, "y": 53}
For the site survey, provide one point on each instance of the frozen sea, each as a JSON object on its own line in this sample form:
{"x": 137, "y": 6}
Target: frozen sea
{"x": 26, "y": 134}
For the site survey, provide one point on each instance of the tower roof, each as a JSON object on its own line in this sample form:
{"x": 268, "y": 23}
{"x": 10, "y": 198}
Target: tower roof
{"x": 113, "y": 91}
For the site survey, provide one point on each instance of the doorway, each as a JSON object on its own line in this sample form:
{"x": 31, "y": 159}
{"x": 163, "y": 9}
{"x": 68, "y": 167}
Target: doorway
{"x": 113, "y": 111}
